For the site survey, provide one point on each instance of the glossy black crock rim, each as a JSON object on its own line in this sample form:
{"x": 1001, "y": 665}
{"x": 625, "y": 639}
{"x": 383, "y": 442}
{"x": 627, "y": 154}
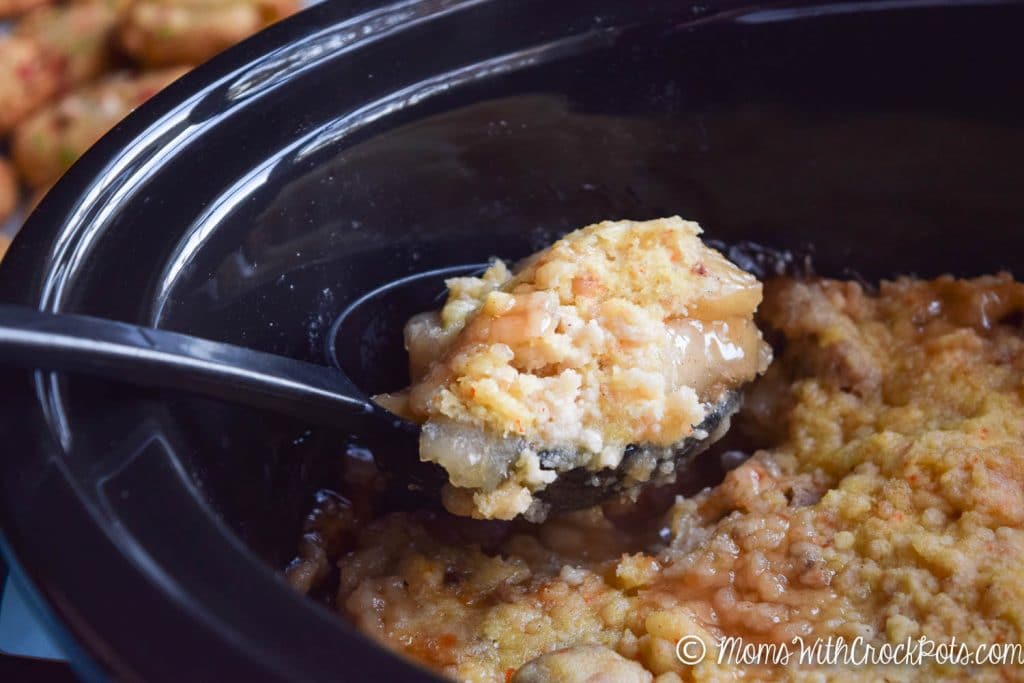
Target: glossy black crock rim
{"x": 30, "y": 258}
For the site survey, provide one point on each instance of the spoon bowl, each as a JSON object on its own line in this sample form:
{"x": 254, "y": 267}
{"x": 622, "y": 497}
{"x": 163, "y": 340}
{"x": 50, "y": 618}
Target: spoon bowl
{"x": 366, "y": 339}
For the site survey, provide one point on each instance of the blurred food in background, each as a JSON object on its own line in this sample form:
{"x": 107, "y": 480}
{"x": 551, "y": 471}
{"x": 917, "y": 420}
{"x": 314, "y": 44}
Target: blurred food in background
{"x": 48, "y": 142}
{"x": 166, "y": 32}
{"x": 76, "y": 38}
{"x": 10, "y": 8}
{"x": 70, "y": 70}
{"x": 8, "y": 190}
{"x": 28, "y": 78}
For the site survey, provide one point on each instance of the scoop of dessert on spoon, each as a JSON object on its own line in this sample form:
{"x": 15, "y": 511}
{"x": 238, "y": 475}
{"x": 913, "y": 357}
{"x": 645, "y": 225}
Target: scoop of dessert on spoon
{"x": 598, "y": 366}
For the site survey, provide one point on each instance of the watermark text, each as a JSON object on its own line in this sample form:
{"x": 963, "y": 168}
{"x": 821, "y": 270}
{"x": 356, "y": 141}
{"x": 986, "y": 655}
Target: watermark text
{"x": 840, "y": 651}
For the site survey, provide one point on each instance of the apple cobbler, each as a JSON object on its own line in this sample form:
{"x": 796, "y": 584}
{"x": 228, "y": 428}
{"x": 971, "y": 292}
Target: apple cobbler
{"x": 883, "y": 498}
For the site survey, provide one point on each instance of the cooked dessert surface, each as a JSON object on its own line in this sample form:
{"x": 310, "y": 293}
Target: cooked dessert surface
{"x": 886, "y": 502}
{"x": 620, "y": 333}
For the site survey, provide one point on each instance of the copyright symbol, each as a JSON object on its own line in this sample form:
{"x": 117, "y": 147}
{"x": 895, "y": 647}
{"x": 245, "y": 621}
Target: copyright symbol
{"x": 690, "y": 650}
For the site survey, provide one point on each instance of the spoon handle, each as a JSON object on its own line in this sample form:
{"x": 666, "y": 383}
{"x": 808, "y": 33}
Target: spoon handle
{"x": 170, "y": 360}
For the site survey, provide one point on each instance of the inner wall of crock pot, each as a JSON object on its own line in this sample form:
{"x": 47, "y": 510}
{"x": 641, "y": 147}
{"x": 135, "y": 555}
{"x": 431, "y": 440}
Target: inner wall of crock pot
{"x": 867, "y": 137}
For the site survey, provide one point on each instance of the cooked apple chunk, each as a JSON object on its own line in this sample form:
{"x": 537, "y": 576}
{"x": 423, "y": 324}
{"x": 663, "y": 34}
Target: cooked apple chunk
{"x": 621, "y": 333}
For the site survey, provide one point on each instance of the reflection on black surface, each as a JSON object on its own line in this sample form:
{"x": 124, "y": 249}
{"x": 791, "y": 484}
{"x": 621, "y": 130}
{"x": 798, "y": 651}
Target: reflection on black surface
{"x": 837, "y": 131}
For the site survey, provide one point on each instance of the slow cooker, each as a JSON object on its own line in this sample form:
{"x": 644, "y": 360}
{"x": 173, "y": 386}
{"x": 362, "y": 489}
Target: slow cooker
{"x": 356, "y": 143}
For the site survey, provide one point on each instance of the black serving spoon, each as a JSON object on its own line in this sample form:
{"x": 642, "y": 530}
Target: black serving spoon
{"x": 364, "y": 344}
